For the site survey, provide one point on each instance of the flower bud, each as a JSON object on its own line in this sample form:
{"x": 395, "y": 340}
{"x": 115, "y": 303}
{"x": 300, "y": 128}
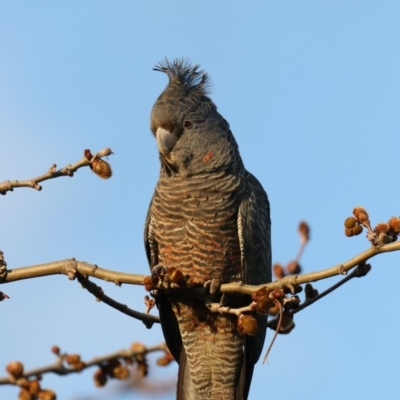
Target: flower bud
{"x": 350, "y": 222}
{"x": 15, "y": 368}
{"x": 100, "y": 378}
{"x": 247, "y": 324}
{"x": 101, "y": 168}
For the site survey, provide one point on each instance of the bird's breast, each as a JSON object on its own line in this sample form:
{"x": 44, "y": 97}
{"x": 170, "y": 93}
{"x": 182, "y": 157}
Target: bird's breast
{"x": 195, "y": 225}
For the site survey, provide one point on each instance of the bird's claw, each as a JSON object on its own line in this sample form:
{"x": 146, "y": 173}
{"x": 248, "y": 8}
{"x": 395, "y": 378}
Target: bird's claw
{"x": 212, "y": 287}
{"x": 164, "y": 277}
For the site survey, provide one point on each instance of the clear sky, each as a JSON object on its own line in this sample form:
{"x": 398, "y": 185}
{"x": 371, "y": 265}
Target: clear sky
{"x": 311, "y": 90}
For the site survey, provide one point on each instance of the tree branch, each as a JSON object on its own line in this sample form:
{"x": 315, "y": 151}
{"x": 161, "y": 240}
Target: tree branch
{"x": 52, "y": 173}
{"x": 97, "y": 291}
{"x": 69, "y": 267}
{"x": 81, "y": 270}
{"x": 360, "y": 271}
{"x": 60, "y": 368}
{"x": 291, "y": 281}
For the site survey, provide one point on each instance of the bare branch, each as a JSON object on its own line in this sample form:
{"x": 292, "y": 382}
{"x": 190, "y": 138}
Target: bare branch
{"x": 358, "y": 272}
{"x": 293, "y": 280}
{"x": 52, "y": 173}
{"x": 97, "y": 291}
{"x": 60, "y": 368}
{"x": 81, "y": 270}
{"x": 70, "y": 267}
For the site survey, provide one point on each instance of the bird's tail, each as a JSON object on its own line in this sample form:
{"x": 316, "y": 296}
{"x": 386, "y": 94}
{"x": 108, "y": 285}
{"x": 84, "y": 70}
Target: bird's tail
{"x": 186, "y": 388}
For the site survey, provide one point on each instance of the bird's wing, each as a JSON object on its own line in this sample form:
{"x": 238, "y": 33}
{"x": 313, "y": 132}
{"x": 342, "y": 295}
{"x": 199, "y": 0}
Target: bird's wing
{"x": 168, "y": 320}
{"x": 254, "y": 230}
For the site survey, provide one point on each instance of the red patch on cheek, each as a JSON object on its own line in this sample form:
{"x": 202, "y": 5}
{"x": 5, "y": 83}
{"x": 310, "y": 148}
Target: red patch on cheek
{"x": 208, "y": 156}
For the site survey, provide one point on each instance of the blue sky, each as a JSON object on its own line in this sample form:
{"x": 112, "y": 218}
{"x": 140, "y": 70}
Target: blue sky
{"x": 311, "y": 90}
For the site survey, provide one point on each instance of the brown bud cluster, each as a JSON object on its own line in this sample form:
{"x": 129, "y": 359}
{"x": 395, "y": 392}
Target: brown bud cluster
{"x": 352, "y": 227}
{"x": 111, "y": 369}
{"x": 148, "y": 283}
{"x": 31, "y": 390}
{"x": 247, "y": 324}
{"x": 384, "y": 234}
{"x": 74, "y": 360}
{"x": 264, "y": 305}
{"x": 260, "y": 293}
{"x": 100, "y": 167}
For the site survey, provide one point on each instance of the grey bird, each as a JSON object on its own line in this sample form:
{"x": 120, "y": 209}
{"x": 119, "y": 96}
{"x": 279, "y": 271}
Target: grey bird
{"x": 210, "y": 219}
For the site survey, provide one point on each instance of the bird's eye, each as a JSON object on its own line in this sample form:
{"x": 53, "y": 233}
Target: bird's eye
{"x": 187, "y": 124}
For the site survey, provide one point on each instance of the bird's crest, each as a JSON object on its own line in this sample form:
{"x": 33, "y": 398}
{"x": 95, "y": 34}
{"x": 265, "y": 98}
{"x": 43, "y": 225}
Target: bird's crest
{"x": 180, "y": 72}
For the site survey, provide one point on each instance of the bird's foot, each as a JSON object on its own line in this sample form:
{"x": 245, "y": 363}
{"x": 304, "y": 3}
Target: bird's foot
{"x": 164, "y": 277}
{"x": 212, "y": 288}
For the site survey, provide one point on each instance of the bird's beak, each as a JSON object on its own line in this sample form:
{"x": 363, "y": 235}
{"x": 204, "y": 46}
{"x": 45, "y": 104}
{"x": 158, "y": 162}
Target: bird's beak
{"x": 165, "y": 141}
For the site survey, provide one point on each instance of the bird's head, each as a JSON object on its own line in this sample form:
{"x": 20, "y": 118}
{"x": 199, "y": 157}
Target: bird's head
{"x": 192, "y": 137}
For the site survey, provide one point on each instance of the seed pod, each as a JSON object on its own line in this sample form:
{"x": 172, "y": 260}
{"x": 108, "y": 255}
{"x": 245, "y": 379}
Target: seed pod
{"x": 361, "y": 214}
{"x": 264, "y": 304}
{"x": 348, "y": 232}
{"x": 100, "y": 378}
{"x": 278, "y": 271}
{"x": 15, "y": 368}
{"x": 101, "y": 168}
{"x": 247, "y": 324}
{"x": 350, "y": 222}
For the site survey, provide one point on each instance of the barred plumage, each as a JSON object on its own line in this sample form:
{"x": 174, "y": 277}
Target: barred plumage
{"x": 209, "y": 218}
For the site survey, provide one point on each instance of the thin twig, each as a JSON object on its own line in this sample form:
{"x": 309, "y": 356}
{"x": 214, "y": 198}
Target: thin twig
{"x": 97, "y": 291}
{"x": 358, "y": 272}
{"x": 276, "y": 332}
{"x": 50, "y": 174}
{"x": 60, "y": 369}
